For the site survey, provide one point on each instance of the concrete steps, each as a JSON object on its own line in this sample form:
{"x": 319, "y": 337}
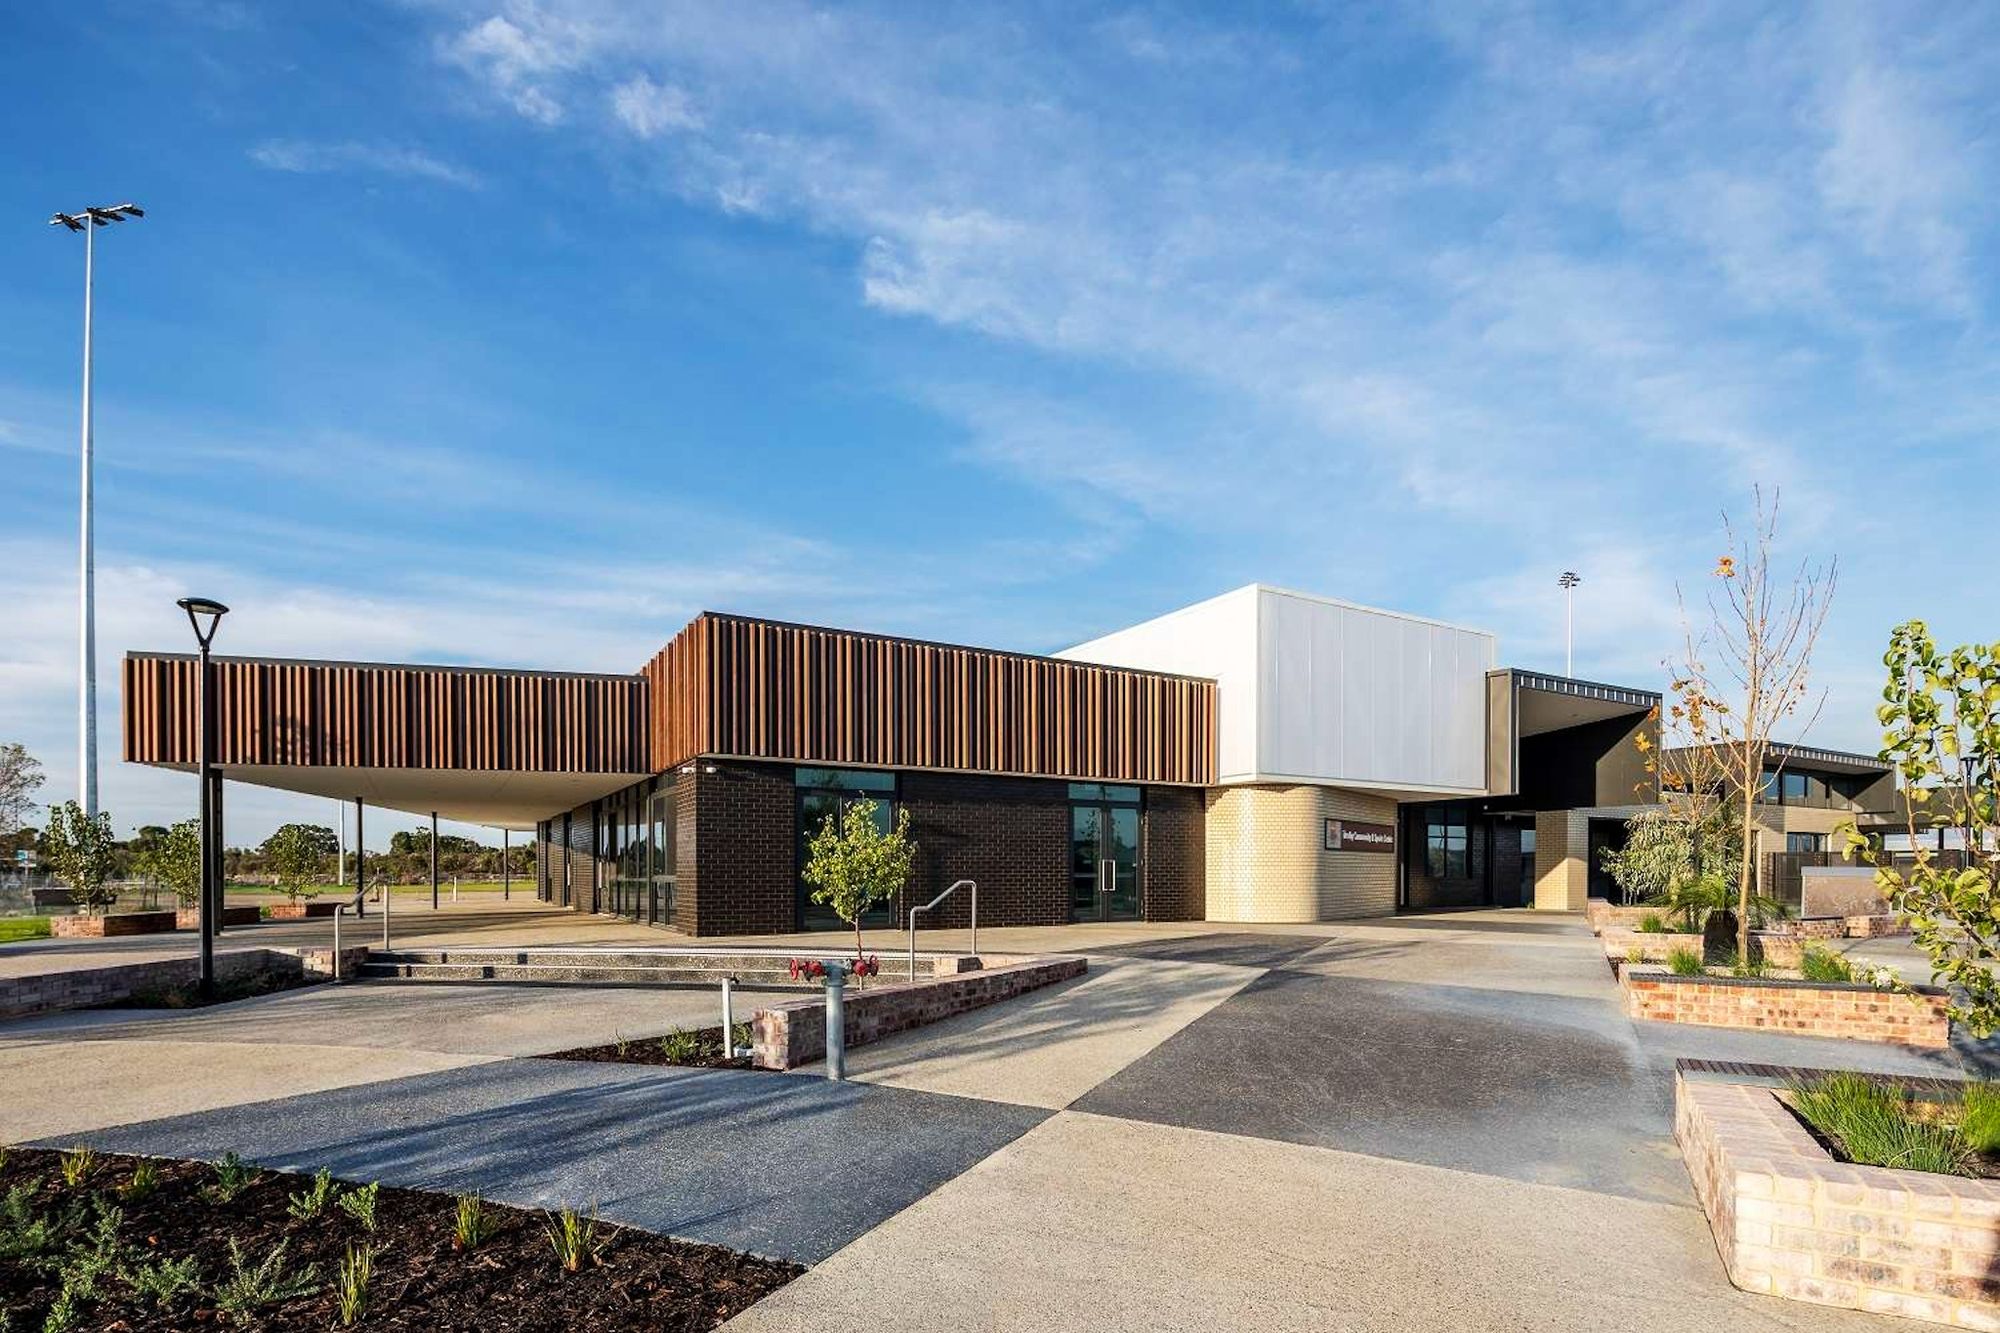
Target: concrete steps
{"x": 764, "y": 969}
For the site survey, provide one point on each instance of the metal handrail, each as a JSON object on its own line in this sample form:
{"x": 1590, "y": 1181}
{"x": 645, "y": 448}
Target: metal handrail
{"x": 914, "y": 911}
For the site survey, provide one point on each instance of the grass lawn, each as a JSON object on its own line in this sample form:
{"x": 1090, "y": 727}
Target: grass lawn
{"x": 13, "y": 928}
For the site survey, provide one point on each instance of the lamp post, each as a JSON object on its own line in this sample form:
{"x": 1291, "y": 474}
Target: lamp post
{"x": 1570, "y": 578}
{"x": 87, "y": 222}
{"x": 205, "y": 614}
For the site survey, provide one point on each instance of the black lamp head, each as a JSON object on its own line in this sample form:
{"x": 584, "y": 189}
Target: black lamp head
{"x": 204, "y": 614}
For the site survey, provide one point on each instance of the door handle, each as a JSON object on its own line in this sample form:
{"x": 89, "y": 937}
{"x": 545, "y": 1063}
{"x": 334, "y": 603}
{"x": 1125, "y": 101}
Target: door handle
{"x": 1107, "y": 876}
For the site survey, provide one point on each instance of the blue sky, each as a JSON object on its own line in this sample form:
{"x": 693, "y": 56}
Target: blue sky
{"x": 519, "y": 332}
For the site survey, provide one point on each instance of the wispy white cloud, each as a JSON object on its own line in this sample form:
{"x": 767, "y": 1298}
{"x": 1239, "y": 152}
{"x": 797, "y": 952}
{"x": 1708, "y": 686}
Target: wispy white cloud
{"x": 305, "y": 157}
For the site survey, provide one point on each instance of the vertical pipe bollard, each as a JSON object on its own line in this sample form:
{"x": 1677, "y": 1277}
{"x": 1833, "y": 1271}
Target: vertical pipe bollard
{"x": 385, "y": 920}
{"x": 730, "y": 1049}
{"x": 836, "y": 1021}
{"x": 338, "y": 910}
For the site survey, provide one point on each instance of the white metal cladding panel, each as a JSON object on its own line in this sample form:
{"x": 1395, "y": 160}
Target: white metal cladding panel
{"x": 1352, "y": 695}
{"x": 1216, "y": 638}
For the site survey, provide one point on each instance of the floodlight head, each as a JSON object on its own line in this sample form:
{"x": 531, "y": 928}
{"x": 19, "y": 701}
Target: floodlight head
{"x": 204, "y": 614}
{"x": 66, "y": 220}
{"x": 1570, "y": 578}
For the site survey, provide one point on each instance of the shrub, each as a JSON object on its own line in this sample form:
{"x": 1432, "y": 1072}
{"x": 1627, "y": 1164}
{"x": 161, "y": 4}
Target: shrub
{"x": 351, "y": 1285}
{"x": 360, "y": 1205}
{"x": 311, "y": 1201}
{"x": 77, "y": 1164}
{"x": 84, "y": 1269}
{"x": 145, "y": 1179}
{"x": 1979, "y": 1118}
{"x": 1874, "y": 1126}
{"x": 164, "y": 1282}
{"x": 1636, "y": 954}
{"x": 472, "y": 1225}
{"x": 682, "y": 1047}
{"x": 1685, "y": 962}
{"x": 574, "y": 1238}
{"x": 1653, "y": 924}
{"x": 270, "y": 1282}
{"x": 232, "y": 1176}
{"x": 1753, "y": 967}
{"x": 1822, "y": 964}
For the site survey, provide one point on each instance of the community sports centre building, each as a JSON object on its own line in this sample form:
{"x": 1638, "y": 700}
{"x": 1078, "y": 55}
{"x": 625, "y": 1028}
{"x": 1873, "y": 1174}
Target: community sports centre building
{"x": 1262, "y": 756}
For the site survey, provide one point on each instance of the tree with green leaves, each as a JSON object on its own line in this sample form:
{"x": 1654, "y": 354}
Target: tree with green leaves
{"x": 298, "y": 855}
{"x": 171, "y": 858}
{"x": 82, "y": 852}
{"x": 852, "y": 864}
{"x": 1941, "y": 717}
{"x": 20, "y": 779}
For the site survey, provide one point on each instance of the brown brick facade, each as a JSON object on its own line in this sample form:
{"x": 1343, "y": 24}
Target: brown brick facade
{"x": 736, "y": 849}
{"x": 1175, "y": 857}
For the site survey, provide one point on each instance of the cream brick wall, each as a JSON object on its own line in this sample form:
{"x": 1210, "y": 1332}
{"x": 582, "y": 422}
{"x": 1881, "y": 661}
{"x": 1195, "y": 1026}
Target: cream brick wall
{"x": 1562, "y": 879}
{"x": 1267, "y": 861}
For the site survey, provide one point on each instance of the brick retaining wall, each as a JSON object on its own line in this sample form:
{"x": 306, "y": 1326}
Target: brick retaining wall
{"x": 794, "y": 1033}
{"x": 189, "y": 918}
{"x": 85, "y": 987}
{"x": 1655, "y": 945}
{"x": 111, "y": 925}
{"x": 1791, "y": 1221}
{"x": 1804, "y": 1008}
{"x": 1602, "y": 913}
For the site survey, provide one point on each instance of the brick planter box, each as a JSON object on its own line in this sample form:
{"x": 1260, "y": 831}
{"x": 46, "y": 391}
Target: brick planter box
{"x": 1619, "y": 942}
{"x": 1791, "y": 1221}
{"x": 189, "y": 918}
{"x": 1874, "y": 927}
{"x": 111, "y": 925}
{"x": 300, "y": 911}
{"x": 1803, "y": 1008}
{"x": 1603, "y": 915}
{"x": 85, "y": 987}
{"x": 794, "y": 1033}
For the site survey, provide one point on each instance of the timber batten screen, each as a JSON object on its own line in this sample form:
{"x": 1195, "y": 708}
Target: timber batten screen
{"x": 363, "y": 715}
{"x": 755, "y": 689}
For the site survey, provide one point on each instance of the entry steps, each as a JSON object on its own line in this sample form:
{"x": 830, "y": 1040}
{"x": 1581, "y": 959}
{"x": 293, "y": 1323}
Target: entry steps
{"x": 760, "y": 968}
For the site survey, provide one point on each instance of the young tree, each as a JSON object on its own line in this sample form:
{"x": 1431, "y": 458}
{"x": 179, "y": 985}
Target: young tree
{"x": 1941, "y": 720}
{"x": 20, "y": 779}
{"x": 297, "y": 855}
{"x": 173, "y": 860}
{"x": 1762, "y": 625}
{"x": 81, "y": 849}
{"x": 852, "y": 864}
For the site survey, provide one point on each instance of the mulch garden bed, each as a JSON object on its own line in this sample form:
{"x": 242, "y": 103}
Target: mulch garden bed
{"x": 227, "y": 990}
{"x": 687, "y": 1048}
{"x": 116, "y": 1246}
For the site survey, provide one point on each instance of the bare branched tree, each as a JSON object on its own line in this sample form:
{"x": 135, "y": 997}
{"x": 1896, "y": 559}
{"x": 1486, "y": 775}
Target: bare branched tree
{"x": 1762, "y": 627}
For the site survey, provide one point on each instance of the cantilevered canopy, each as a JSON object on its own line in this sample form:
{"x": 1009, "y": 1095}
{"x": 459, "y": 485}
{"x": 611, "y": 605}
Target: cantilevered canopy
{"x": 496, "y": 747}
{"x": 1523, "y": 704}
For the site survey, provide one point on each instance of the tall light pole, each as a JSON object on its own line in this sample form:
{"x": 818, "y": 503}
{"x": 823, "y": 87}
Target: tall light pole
{"x": 1570, "y": 578}
{"x": 205, "y": 614}
{"x": 87, "y": 222}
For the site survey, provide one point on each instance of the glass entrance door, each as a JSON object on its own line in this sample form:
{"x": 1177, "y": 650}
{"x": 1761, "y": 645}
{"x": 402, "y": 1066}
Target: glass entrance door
{"x": 1104, "y": 858}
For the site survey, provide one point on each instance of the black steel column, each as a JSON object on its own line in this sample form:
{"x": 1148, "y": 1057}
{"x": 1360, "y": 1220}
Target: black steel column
{"x": 434, "y": 861}
{"x": 221, "y": 861}
{"x": 360, "y": 884}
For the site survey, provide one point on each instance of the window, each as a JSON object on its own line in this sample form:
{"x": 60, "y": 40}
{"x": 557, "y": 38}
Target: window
{"x": 1795, "y": 787}
{"x": 828, "y": 793}
{"x": 1527, "y": 842}
{"x": 1445, "y": 843}
{"x": 1805, "y": 842}
{"x": 1769, "y": 794}
{"x": 846, "y": 780}
{"x": 1104, "y": 791}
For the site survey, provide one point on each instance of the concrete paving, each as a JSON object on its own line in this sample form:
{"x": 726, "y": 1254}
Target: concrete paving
{"x": 1088, "y": 1224}
{"x": 1421, "y": 1122}
{"x": 787, "y": 1167}
{"x": 1054, "y": 1045}
{"x": 459, "y": 1018}
{"x": 56, "y": 1089}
